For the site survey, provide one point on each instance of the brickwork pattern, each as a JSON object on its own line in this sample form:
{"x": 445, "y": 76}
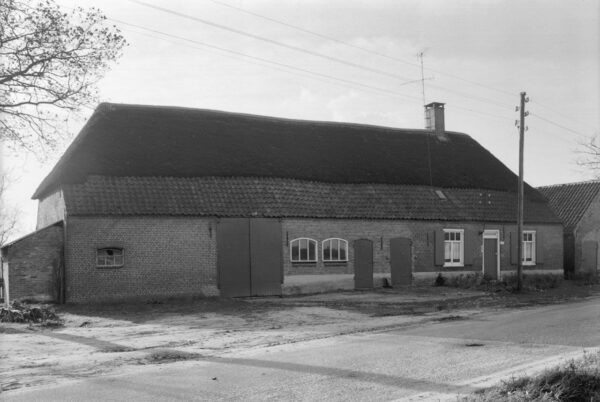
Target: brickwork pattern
{"x": 164, "y": 257}
{"x": 33, "y": 264}
{"x": 422, "y": 235}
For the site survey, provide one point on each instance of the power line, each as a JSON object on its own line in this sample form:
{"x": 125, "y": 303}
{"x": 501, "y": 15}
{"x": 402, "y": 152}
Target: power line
{"x": 560, "y": 125}
{"x": 356, "y": 83}
{"x": 287, "y": 67}
{"x": 562, "y": 114}
{"x": 272, "y": 41}
{"x": 300, "y": 49}
{"x": 322, "y": 36}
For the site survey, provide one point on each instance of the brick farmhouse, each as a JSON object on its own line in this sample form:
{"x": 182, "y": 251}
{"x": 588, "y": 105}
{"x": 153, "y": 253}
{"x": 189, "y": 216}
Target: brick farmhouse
{"x": 155, "y": 201}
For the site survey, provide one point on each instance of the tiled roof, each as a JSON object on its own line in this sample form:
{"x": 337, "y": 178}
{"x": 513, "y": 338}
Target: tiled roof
{"x": 152, "y": 141}
{"x": 570, "y": 201}
{"x": 272, "y": 197}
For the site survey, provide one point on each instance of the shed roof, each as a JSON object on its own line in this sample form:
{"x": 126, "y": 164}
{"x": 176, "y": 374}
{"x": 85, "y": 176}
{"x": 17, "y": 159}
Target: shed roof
{"x": 277, "y": 198}
{"x": 570, "y": 201}
{"x": 152, "y": 141}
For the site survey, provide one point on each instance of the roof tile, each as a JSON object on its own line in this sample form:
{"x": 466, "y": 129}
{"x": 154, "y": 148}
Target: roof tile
{"x": 570, "y": 201}
{"x": 278, "y": 198}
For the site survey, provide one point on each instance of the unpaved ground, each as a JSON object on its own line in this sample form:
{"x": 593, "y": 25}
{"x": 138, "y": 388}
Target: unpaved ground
{"x": 110, "y": 338}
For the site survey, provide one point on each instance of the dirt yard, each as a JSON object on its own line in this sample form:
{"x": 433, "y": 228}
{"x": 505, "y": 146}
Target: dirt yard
{"x": 119, "y": 337}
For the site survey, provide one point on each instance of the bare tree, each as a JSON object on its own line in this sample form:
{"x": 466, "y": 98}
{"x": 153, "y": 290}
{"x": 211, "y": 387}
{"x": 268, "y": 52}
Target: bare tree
{"x": 589, "y": 155}
{"x": 8, "y": 215}
{"x": 50, "y": 61}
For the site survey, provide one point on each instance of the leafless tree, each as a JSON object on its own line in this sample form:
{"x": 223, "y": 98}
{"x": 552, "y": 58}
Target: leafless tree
{"x": 589, "y": 155}
{"x": 50, "y": 61}
{"x": 8, "y": 215}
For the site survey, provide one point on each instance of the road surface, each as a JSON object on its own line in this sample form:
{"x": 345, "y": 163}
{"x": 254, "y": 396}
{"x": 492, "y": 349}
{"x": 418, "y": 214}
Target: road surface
{"x": 435, "y": 361}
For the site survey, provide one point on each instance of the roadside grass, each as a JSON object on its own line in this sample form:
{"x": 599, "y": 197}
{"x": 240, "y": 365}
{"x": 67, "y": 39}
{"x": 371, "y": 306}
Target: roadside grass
{"x": 168, "y": 356}
{"x": 478, "y": 281}
{"x": 578, "y": 380}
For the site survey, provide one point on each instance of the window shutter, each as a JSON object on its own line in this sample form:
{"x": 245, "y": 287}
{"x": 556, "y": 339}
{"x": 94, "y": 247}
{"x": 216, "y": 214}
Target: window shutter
{"x": 472, "y": 246}
{"x": 438, "y": 247}
{"x": 514, "y": 257}
{"x": 539, "y": 248}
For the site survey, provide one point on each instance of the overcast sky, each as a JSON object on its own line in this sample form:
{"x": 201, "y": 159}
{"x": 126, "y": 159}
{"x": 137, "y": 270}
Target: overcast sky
{"x": 356, "y": 61}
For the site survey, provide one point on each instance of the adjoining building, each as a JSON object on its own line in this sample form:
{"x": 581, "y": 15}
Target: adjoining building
{"x": 578, "y": 206}
{"x": 152, "y": 201}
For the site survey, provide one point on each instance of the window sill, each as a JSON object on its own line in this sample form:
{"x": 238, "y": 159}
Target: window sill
{"x": 303, "y": 262}
{"x": 109, "y": 266}
{"x": 335, "y": 263}
{"x": 529, "y": 264}
{"x": 456, "y": 265}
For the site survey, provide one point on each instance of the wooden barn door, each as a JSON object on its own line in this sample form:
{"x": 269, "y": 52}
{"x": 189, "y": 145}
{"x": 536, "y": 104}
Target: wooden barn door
{"x": 401, "y": 261}
{"x": 266, "y": 265}
{"x": 249, "y": 259}
{"x": 233, "y": 257}
{"x": 363, "y": 264}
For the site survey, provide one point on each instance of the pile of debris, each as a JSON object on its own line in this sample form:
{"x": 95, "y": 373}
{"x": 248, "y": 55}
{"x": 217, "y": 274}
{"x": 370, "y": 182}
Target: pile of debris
{"x": 22, "y": 313}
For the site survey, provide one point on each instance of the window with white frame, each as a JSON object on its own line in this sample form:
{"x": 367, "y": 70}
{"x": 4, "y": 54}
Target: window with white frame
{"x": 109, "y": 257}
{"x": 303, "y": 249}
{"x": 335, "y": 250}
{"x": 529, "y": 247}
{"x": 454, "y": 247}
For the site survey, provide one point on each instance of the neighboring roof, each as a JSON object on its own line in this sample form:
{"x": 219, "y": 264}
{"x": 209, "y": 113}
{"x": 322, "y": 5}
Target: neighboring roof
{"x": 570, "y": 201}
{"x": 278, "y": 198}
{"x": 6, "y": 246}
{"x": 133, "y": 140}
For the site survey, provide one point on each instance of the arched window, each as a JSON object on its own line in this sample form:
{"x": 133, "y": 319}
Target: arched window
{"x": 109, "y": 257}
{"x": 303, "y": 249}
{"x": 335, "y": 250}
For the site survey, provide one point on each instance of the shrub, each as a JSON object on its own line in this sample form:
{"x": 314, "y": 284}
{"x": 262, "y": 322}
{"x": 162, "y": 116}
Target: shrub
{"x": 467, "y": 281}
{"x": 440, "y": 280}
{"x": 585, "y": 278}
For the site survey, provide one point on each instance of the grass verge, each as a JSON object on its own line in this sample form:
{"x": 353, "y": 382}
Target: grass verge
{"x": 578, "y": 380}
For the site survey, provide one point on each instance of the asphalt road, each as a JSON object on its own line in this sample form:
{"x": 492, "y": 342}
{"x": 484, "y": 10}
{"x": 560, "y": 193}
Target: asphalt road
{"x": 431, "y": 362}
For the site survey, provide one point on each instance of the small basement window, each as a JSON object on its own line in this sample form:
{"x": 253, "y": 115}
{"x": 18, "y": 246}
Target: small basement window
{"x": 335, "y": 250}
{"x": 303, "y": 250}
{"x": 109, "y": 257}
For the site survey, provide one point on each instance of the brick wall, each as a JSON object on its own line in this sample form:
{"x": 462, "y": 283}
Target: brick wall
{"x": 34, "y": 265}
{"x": 422, "y": 234}
{"x": 176, "y": 256}
{"x": 51, "y": 209}
{"x": 588, "y": 230}
{"x": 164, "y": 256}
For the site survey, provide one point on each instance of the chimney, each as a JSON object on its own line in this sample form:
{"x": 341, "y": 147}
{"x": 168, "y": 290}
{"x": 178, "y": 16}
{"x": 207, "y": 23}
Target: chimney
{"x": 434, "y": 117}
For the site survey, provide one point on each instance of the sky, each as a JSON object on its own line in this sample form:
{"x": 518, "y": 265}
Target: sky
{"x": 357, "y": 61}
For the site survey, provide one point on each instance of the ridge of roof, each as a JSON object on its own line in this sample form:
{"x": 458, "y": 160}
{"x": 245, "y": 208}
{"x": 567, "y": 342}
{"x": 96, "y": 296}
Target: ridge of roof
{"x": 110, "y": 106}
{"x": 575, "y": 183}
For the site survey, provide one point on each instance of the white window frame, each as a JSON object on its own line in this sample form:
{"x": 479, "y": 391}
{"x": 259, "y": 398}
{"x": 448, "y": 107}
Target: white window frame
{"x": 341, "y": 244}
{"x": 112, "y": 259}
{"x": 461, "y": 248}
{"x": 533, "y": 242}
{"x": 308, "y": 241}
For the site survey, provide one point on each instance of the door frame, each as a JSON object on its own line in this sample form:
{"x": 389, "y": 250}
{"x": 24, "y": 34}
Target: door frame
{"x": 490, "y": 234}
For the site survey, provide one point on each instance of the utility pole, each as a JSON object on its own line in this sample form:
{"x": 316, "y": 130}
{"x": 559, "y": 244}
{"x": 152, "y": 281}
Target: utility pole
{"x": 522, "y": 128}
